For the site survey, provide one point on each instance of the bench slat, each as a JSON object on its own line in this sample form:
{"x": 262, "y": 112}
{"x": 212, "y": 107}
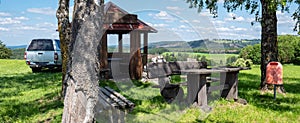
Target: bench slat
{"x": 129, "y": 103}
{"x": 120, "y": 103}
{"x": 108, "y": 100}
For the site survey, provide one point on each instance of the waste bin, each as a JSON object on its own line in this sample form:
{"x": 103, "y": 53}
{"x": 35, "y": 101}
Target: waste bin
{"x": 274, "y": 73}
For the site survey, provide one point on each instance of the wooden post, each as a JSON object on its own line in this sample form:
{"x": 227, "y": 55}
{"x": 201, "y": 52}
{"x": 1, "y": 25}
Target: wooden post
{"x": 231, "y": 79}
{"x": 120, "y": 39}
{"x": 197, "y": 89}
{"x": 103, "y": 52}
{"x": 135, "y": 65}
{"x": 145, "y": 56}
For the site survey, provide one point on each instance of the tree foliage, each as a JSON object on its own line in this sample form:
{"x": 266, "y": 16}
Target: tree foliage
{"x": 252, "y": 6}
{"x": 288, "y": 50}
{"x": 5, "y": 53}
{"x": 265, "y": 14}
{"x": 252, "y": 52}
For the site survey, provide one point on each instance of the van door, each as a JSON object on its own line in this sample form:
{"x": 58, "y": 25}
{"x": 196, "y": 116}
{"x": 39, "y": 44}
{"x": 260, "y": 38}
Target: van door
{"x": 40, "y": 50}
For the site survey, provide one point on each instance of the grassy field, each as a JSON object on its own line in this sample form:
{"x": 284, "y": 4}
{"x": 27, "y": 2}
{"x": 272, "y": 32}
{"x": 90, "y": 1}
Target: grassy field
{"x": 28, "y": 97}
{"x": 34, "y": 97}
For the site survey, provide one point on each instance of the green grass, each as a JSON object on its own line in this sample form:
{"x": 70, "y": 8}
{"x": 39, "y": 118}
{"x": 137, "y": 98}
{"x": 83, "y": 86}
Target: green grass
{"x": 261, "y": 107}
{"x": 34, "y": 97}
{"x": 26, "y": 96}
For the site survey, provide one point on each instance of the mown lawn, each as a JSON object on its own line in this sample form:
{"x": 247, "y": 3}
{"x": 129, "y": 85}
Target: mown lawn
{"x": 34, "y": 97}
{"x": 28, "y": 97}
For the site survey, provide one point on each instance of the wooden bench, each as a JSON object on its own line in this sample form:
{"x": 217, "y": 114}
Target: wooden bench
{"x": 113, "y": 105}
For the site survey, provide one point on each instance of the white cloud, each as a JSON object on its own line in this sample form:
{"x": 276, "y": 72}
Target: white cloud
{"x": 196, "y": 21}
{"x": 234, "y": 17}
{"x": 218, "y": 22}
{"x": 44, "y": 11}
{"x": 4, "y": 29}
{"x": 205, "y": 13}
{"x": 223, "y": 29}
{"x": 21, "y": 18}
{"x": 5, "y": 21}
{"x": 4, "y": 14}
{"x": 32, "y": 28}
{"x": 240, "y": 18}
{"x": 184, "y": 21}
{"x": 183, "y": 26}
{"x": 161, "y": 25}
{"x": 284, "y": 19}
{"x": 163, "y": 15}
{"x": 240, "y": 29}
{"x": 46, "y": 25}
{"x": 175, "y": 8}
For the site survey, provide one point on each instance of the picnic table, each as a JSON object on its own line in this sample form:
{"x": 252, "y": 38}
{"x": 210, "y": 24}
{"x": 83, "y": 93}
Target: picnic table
{"x": 197, "y": 83}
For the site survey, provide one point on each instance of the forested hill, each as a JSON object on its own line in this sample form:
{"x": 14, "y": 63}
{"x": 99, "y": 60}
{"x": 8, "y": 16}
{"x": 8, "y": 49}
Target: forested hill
{"x": 227, "y": 43}
{"x": 17, "y": 47}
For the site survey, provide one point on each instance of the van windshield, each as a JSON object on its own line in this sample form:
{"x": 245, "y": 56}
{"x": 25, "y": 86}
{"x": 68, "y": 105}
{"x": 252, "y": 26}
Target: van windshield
{"x": 41, "y": 45}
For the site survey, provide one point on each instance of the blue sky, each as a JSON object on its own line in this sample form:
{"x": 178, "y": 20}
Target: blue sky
{"x": 20, "y": 21}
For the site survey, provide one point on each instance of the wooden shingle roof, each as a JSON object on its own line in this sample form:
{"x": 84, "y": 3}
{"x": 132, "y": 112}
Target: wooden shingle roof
{"x": 117, "y": 20}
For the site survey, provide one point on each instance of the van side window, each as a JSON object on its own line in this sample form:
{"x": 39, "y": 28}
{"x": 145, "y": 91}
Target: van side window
{"x": 57, "y": 43}
{"x": 41, "y": 45}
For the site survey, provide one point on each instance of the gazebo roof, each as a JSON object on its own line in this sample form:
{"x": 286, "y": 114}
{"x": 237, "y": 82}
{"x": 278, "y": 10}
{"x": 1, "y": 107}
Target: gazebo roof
{"x": 119, "y": 21}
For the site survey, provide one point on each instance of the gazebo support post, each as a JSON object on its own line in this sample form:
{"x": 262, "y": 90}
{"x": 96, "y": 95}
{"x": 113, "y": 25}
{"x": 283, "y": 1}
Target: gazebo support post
{"x": 145, "y": 56}
{"x": 120, "y": 45}
{"x": 135, "y": 65}
{"x": 103, "y": 52}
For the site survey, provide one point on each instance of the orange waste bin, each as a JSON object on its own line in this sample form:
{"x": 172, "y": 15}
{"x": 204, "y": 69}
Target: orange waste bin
{"x": 274, "y": 73}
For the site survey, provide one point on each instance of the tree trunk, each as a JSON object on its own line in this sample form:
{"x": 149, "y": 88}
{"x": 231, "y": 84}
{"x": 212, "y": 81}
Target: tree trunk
{"x": 269, "y": 46}
{"x": 83, "y": 66}
{"x": 64, "y": 30}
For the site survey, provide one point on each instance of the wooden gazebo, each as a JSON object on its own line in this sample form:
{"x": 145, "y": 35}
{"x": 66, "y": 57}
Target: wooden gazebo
{"x": 119, "y": 22}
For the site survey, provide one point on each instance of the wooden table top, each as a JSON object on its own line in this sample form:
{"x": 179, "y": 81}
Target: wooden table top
{"x": 212, "y": 70}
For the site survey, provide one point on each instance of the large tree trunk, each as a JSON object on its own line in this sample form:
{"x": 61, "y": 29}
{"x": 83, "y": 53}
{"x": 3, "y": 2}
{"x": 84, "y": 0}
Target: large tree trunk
{"x": 83, "y": 66}
{"x": 64, "y": 29}
{"x": 269, "y": 47}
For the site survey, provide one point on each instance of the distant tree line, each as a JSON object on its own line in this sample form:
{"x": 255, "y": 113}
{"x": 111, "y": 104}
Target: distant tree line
{"x": 18, "y": 53}
{"x": 288, "y": 50}
{"x": 5, "y": 53}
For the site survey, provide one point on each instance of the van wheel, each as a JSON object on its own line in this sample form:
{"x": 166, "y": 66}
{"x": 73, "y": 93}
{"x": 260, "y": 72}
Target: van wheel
{"x": 34, "y": 70}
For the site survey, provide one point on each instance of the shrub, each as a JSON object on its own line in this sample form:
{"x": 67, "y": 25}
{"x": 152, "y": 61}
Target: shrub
{"x": 251, "y": 52}
{"x": 240, "y": 62}
{"x": 231, "y": 59}
{"x": 5, "y": 53}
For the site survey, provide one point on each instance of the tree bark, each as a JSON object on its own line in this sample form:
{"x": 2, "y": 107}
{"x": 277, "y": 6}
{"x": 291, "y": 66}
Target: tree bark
{"x": 269, "y": 45}
{"x": 64, "y": 29}
{"x": 82, "y": 75}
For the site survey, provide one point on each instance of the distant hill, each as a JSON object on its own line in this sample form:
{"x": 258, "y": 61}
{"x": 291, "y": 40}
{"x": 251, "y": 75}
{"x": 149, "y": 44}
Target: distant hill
{"x": 227, "y": 43}
{"x": 168, "y": 44}
{"x": 17, "y": 47}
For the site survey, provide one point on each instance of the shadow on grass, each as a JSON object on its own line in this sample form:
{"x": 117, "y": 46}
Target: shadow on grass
{"x": 19, "y": 100}
{"x": 249, "y": 89}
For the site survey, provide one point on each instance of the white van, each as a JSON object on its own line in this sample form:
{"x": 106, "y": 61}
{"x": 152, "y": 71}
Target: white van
{"x": 43, "y": 53}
